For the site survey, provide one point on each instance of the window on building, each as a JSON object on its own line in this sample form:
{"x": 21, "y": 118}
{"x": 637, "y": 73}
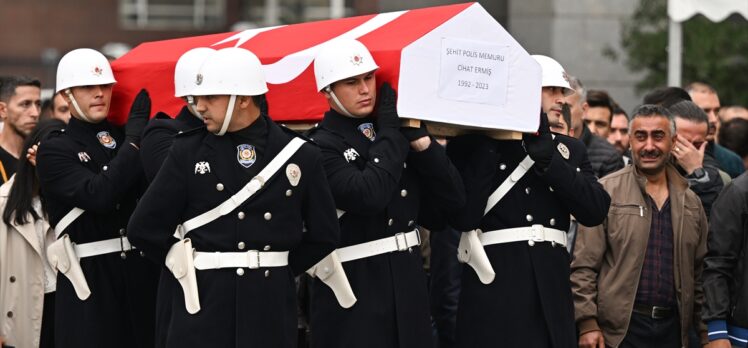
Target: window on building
{"x": 172, "y": 14}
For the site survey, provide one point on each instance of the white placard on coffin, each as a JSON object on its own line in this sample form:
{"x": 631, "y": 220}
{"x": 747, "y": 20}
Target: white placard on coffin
{"x": 470, "y": 72}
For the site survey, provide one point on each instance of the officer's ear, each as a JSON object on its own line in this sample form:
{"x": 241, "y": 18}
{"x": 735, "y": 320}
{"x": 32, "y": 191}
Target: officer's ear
{"x": 243, "y": 101}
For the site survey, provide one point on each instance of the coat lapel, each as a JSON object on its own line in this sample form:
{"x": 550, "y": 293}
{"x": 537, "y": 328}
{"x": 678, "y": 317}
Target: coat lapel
{"x": 222, "y": 166}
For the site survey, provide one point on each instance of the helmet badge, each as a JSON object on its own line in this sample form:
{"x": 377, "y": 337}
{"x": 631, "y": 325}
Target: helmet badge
{"x": 357, "y": 60}
{"x": 199, "y": 79}
{"x": 97, "y": 71}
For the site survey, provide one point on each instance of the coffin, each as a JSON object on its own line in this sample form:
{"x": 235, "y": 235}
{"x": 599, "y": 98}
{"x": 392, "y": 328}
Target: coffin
{"x": 455, "y": 66}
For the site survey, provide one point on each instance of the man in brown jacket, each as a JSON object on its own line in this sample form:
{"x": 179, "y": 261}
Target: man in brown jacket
{"x": 636, "y": 278}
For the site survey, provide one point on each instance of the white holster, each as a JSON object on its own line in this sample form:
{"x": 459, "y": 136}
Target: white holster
{"x": 180, "y": 262}
{"x": 330, "y": 271}
{"x": 61, "y": 255}
{"x": 471, "y": 251}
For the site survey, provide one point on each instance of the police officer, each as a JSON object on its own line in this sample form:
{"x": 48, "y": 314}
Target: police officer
{"x": 161, "y": 129}
{"x": 90, "y": 175}
{"x": 158, "y": 137}
{"x": 520, "y": 194}
{"x": 379, "y": 174}
{"x": 254, "y": 205}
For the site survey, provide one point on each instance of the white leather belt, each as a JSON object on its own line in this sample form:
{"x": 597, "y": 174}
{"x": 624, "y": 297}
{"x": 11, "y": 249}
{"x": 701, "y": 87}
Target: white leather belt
{"x": 532, "y": 234}
{"x": 114, "y": 245}
{"x": 252, "y": 259}
{"x": 399, "y": 242}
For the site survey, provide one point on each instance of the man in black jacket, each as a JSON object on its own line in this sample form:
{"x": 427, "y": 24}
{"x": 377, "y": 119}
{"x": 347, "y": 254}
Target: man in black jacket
{"x": 691, "y": 126}
{"x": 91, "y": 175}
{"x": 516, "y": 292}
{"x": 380, "y": 176}
{"x": 725, "y": 274}
{"x": 252, "y": 200}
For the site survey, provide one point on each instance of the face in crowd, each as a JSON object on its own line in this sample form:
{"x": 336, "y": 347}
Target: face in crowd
{"x": 597, "y": 120}
{"x": 21, "y": 112}
{"x": 60, "y": 108}
{"x": 94, "y": 101}
{"x": 651, "y": 141}
{"x": 619, "y": 132}
{"x": 709, "y": 102}
{"x": 552, "y": 101}
{"x": 357, "y": 94}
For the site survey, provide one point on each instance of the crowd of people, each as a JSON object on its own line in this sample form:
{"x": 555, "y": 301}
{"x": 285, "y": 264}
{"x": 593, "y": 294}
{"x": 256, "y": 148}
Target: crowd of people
{"x": 218, "y": 227}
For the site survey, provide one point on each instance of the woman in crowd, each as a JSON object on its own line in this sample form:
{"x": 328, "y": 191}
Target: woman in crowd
{"x": 27, "y": 282}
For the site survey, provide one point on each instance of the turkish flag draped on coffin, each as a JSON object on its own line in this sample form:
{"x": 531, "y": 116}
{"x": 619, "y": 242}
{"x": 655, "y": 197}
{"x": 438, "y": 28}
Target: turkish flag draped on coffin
{"x": 429, "y": 55}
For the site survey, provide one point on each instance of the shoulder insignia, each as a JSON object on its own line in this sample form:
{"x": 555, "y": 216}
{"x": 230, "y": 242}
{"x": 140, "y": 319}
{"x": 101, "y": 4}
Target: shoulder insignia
{"x": 563, "y": 150}
{"x": 350, "y": 154}
{"x": 202, "y": 167}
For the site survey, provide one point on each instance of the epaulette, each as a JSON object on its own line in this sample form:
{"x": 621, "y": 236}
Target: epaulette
{"x": 189, "y": 132}
{"x": 55, "y": 133}
{"x": 162, "y": 116}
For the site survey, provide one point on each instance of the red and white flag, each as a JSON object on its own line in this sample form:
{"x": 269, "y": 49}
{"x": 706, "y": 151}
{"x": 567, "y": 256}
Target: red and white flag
{"x": 452, "y": 64}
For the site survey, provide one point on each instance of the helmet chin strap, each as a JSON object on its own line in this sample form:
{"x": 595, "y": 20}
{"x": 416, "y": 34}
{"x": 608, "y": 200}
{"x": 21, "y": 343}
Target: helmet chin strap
{"x": 193, "y": 107}
{"x": 343, "y": 110}
{"x": 76, "y": 106}
{"x": 229, "y": 113}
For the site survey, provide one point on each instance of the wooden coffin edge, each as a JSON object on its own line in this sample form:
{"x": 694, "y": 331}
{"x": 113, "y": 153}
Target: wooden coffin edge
{"x": 436, "y": 129}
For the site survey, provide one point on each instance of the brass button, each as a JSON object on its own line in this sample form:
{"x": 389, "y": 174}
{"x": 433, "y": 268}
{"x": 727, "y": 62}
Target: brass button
{"x": 502, "y": 166}
{"x": 142, "y": 253}
{"x": 404, "y": 193}
{"x": 241, "y": 245}
{"x": 405, "y": 165}
{"x": 553, "y": 222}
{"x": 123, "y": 255}
{"x": 578, "y": 170}
{"x": 219, "y": 186}
{"x": 105, "y": 168}
{"x": 121, "y": 231}
{"x": 289, "y": 193}
{"x": 240, "y": 215}
{"x": 268, "y": 216}
{"x": 12, "y": 279}
{"x": 266, "y": 248}
{"x": 390, "y": 222}
{"x": 529, "y": 218}
{"x": 10, "y": 314}
{"x": 527, "y": 190}
{"x": 267, "y": 273}
{"x": 240, "y": 271}
{"x": 376, "y": 160}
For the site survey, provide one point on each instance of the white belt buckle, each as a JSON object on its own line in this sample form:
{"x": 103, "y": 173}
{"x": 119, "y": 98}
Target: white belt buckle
{"x": 253, "y": 256}
{"x": 398, "y": 236}
{"x": 537, "y": 234}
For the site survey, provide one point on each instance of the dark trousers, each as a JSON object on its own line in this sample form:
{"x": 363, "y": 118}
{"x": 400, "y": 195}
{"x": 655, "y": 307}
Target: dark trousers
{"x": 446, "y": 274}
{"x": 647, "y": 332}
{"x": 47, "y": 339}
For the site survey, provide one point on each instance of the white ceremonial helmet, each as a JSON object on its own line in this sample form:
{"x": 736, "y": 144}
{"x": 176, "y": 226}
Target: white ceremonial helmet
{"x": 82, "y": 67}
{"x": 188, "y": 66}
{"x": 230, "y": 71}
{"x": 554, "y": 74}
{"x": 340, "y": 59}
